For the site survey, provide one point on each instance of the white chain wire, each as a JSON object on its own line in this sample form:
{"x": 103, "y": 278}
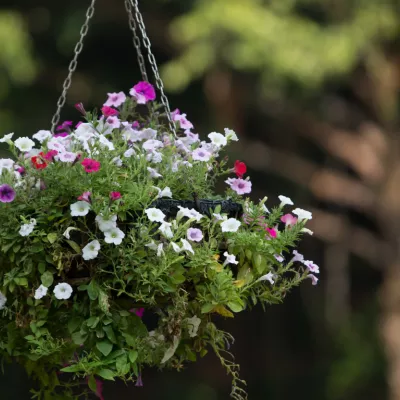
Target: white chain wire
{"x": 72, "y": 66}
{"x": 136, "y": 40}
{"x": 153, "y": 64}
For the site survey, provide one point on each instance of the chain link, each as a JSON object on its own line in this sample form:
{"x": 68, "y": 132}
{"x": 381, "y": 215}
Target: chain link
{"x": 153, "y": 64}
{"x": 136, "y": 40}
{"x": 72, "y": 66}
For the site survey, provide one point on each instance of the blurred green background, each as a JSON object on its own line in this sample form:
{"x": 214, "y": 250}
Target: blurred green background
{"x": 312, "y": 89}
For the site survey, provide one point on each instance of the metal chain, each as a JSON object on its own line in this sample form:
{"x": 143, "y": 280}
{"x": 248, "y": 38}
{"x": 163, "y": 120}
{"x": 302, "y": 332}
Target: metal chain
{"x": 72, "y": 66}
{"x": 153, "y": 64}
{"x": 136, "y": 40}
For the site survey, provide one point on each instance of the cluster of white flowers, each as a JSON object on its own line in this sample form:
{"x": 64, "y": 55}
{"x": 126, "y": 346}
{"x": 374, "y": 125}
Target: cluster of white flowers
{"x": 27, "y": 229}
{"x": 62, "y": 291}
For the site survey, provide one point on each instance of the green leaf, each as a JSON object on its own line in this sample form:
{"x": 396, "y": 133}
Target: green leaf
{"x": 72, "y": 368}
{"x": 110, "y": 333}
{"x": 92, "y": 383}
{"x": 41, "y": 267}
{"x": 122, "y": 364}
{"x": 74, "y": 323}
{"x": 106, "y": 374}
{"x": 52, "y": 237}
{"x": 47, "y": 279}
{"x": 92, "y": 322}
{"x": 75, "y": 246}
{"x": 105, "y": 347}
{"x": 21, "y": 281}
{"x": 206, "y": 308}
{"x": 133, "y": 355}
{"x": 79, "y": 338}
{"x": 93, "y": 290}
{"x": 235, "y": 306}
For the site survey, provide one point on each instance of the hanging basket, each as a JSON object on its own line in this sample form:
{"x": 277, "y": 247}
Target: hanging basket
{"x": 116, "y": 252}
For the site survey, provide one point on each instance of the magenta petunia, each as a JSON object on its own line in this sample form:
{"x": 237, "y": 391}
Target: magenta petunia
{"x": 143, "y": 92}
{"x": 109, "y": 111}
{"x": 90, "y": 165}
{"x": 7, "y": 193}
{"x": 115, "y": 195}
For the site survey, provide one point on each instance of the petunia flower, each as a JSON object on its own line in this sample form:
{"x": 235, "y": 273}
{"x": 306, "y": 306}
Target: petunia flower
{"x": 40, "y": 292}
{"x": 67, "y": 156}
{"x": 155, "y": 215}
{"x": 6, "y": 163}
{"x": 285, "y": 201}
{"x": 3, "y": 301}
{"x": 272, "y": 232}
{"x": 194, "y": 234}
{"x": 302, "y": 214}
{"x": 297, "y": 257}
{"x": 184, "y": 123}
{"x": 240, "y": 186}
{"x": 113, "y": 122}
{"x": 230, "y": 259}
{"x": 24, "y": 144}
{"x": 267, "y": 277}
{"x": 240, "y": 168}
{"x": 230, "y": 135}
{"x": 313, "y": 278}
{"x": 114, "y": 235}
{"x": 218, "y": 139}
{"x": 106, "y": 223}
{"x": 289, "y": 219}
{"x": 109, "y": 111}
{"x": 91, "y": 250}
{"x": 115, "y": 196}
{"x": 165, "y": 229}
{"x": 7, "y": 138}
{"x": 42, "y": 135}
{"x": 7, "y": 193}
{"x": 115, "y": 99}
{"x": 186, "y": 246}
{"x": 85, "y": 196}
{"x": 154, "y": 173}
{"x": 201, "y": 155}
{"x": 90, "y": 165}
{"x": 230, "y": 225}
{"x": 188, "y": 213}
{"x": 311, "y": 266}
{"x": 63, "y": 291}
{"x": 80, "y": 209}
{"x": 27, "y": 229}
{"x": 166, "y": 192}
{"x": 143, "y": 92}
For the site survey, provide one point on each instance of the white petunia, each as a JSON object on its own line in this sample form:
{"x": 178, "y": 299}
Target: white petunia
{"x": 166, "y": 192}
{"x": 148, "y": 133}
{"x": 231, "y": 135}
{"x": 91, "y": 250}
{"x": 7, "y": 138}
{"x": 302, "y": 214}
{"x": 154, "y": 173}
{"x": 85, "y": 131}
{"x": 3, "y": 301}
{"x": 114, "y": 235}
{"x": 187, "y": 246}
{"x": 155, "y": 157}
{"x": 104, "y": 142}
{"x": 268, "y": 277}
{"x": 152, "y": 144}
{"x": 62, "y": 291}
{"x": 42, "y": 135}
{"x": 219, "y": 217}
{"x": 54, "y": 144}
{"x": 40, "y": 292}
{"x": 217, "y": 139}
{"x": 67, "y": 156}
{"x": 27, "y": 229}
{"x": 230, "y": 259}
{"x": 230, "y": 225}
{"x": 165, "y": 229}
{"x": 176, "y": 248}
{"x": 160, "y": 250}
{"x": 152, "y": 245}
{"x": 6, "y": 163}
{"x": 189, "y": 213}
{"x": 285, "y": 201}
{"x": 155, "y": 215}
{"x": 129, "y": 153}
{"x": 24, "y": 144}
{"x": 306, "y": 230}
{"x": 68, "y": 230}
{"x": 80, "y": 208}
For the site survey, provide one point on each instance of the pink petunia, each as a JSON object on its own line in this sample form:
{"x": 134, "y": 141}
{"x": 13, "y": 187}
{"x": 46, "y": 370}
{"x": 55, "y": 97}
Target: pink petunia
{"x": 85, "y": 197}
{"x": 143, "y": 92}
{"x": 201, "y": 155}
{"x": 90, "y": 165}
{"x": 289, "y": 219}
{"x": 240, "y": 186}
{"x": 113, "y": 121}
{"x": 272, "y": 232}
{"x": 115, "y": 196}
{"x": 181, "y": 118}
{"x": 115, "y": 99}
{"x": 109, "y": 111}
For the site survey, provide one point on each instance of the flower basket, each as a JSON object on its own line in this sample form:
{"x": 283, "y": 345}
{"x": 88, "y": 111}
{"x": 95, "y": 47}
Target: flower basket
{"x": 116, "y": 253}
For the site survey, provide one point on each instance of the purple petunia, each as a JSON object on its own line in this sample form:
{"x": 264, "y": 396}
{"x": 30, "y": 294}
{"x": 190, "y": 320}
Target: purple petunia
{"x": 7, "y": 194}
{"x": 143, "y": 92}
{"x": 194, "y": 234}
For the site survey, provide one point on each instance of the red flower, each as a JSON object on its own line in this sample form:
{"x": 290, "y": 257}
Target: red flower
{"x": 240, "y": 168}
{"x": 115, "y": 195}
{"x": 38, "y": 162}
{"x": 90, "y": 165}
{"x": 109, "y": 111}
